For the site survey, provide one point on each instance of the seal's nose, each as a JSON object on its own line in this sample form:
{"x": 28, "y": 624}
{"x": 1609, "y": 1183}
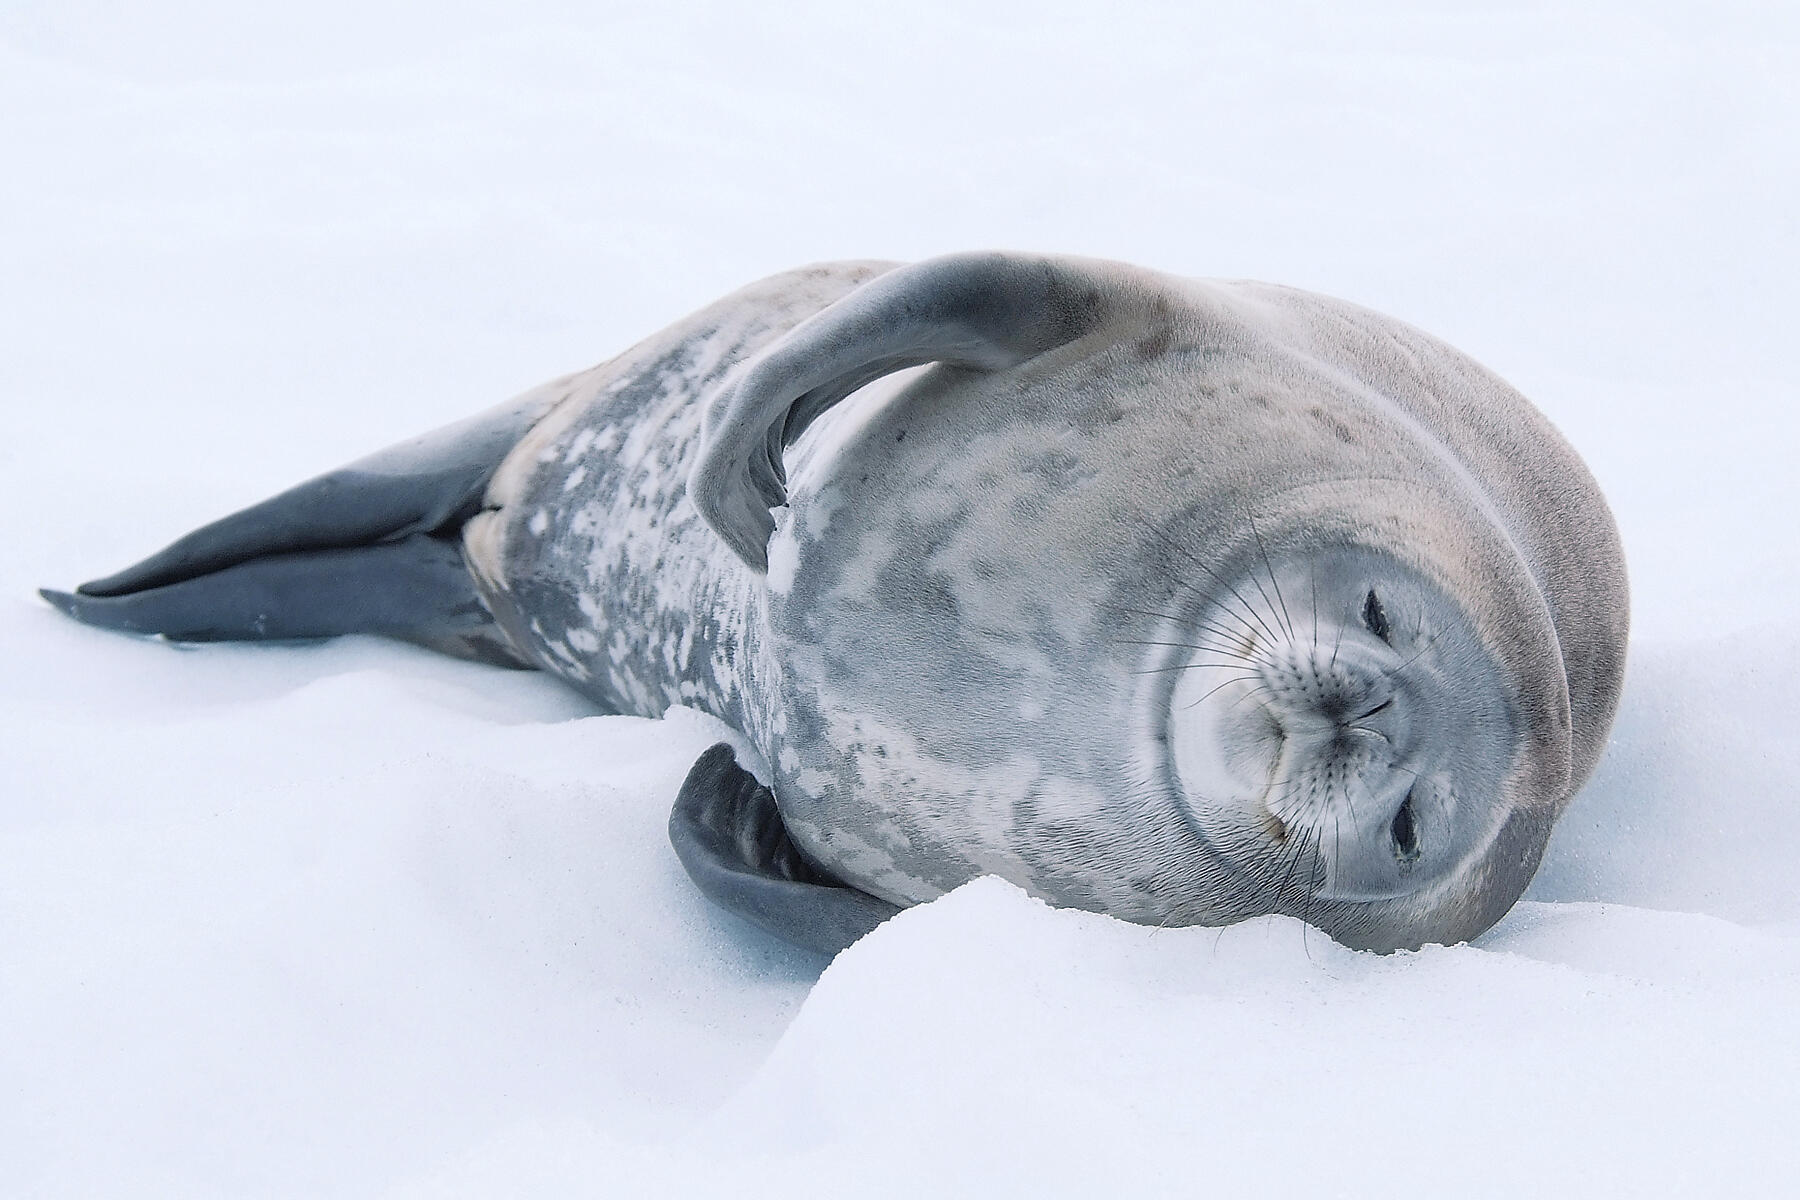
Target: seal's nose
{"x": 1338, "y": 689}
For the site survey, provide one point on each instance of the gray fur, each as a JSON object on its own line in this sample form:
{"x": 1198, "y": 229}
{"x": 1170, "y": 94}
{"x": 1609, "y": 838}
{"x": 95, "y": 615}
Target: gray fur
{"x": 968, "y": 638}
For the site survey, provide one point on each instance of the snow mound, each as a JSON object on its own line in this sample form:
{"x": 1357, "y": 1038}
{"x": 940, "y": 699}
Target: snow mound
{"x": 985, "y": 1044}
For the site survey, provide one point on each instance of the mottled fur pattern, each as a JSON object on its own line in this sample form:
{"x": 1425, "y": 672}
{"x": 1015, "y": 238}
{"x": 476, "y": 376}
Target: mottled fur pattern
{"x": 1178, "y": 600}
{"x": 946, "y": 664}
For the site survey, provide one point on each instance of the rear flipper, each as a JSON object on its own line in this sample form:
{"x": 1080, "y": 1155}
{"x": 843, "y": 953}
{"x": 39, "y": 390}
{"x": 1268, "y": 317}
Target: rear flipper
{"x": 371, "y": 548}
{"x": 416, "y": 589}
{"x": 728, "y": 834}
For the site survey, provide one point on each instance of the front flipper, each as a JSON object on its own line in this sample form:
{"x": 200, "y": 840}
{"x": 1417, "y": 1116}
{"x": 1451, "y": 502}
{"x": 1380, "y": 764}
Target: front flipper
{"x": 981, "y": 312}
{"x": 728, "y": 834}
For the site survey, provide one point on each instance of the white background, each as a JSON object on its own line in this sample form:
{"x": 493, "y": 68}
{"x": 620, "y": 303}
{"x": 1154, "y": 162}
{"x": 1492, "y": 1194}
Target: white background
{"x": 353, "y": 920}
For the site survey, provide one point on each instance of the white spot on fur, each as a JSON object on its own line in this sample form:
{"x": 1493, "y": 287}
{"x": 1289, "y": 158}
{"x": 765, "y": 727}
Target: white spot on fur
{"x": 579, "y": 446}
{"x": 540, "y": 521}
{"x": 784, "y": 554}
{"x": 814, "y": 781}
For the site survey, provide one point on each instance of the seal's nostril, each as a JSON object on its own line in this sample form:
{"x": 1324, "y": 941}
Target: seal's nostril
{"x": 1379, "y": 708}
{"x": 1405, "y": 831}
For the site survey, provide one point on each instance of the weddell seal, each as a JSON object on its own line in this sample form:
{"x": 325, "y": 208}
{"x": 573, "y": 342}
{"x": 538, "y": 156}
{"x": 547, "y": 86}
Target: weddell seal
{"x": 1184, "y": 601}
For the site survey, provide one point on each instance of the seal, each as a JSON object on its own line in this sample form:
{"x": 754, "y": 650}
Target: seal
{"x": 1180, "y": 600}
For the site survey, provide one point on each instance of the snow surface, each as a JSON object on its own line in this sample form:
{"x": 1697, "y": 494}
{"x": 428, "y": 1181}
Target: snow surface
{"x": 351, "y": 920}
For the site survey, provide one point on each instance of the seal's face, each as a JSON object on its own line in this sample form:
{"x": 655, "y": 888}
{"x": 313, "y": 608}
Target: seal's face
{"x": 1340, "y": 738}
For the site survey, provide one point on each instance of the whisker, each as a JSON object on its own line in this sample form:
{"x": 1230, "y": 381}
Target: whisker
{"x": 1391, "y": 672}
{"x": 1260, "y": 688}
{"x": 1248, "y": 672}
{"x": 1298, "y": 835}
{"x": 1268, "y": 566}
{"x": 1312, "y": 574}
{"x": 1216, "y": 578}
{"x": 1215, "y": 647}
{"x": 1145, "y": 612}
{"x": 1222, "y": 687}
{"x": 1230, "y": 635}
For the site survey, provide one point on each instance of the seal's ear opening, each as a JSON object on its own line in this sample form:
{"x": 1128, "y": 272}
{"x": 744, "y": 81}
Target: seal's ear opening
{"x": 728, "y": 835}
{"x": 984, "y": 311}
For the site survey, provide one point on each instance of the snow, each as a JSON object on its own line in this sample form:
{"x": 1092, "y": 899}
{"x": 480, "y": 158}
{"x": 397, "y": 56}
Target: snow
{"x": 353, "y": 920}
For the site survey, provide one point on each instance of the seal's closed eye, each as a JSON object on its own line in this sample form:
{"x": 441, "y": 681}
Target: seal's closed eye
{"x": 728, "y": 835}
{"x": 1374, "y": 617}
{"x": 1405, "y": 830}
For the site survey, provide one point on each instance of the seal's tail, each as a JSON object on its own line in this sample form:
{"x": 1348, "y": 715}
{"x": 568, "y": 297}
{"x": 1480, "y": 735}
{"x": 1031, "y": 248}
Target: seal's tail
{"x": 371, "y": 548}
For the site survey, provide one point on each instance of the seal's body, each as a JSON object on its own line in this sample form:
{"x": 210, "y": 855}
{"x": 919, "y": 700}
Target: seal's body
{"x": 1183, "y": 601}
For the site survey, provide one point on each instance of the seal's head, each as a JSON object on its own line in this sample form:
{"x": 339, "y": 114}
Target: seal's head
{"x": 1350, "y": 745}
{"x": 1183, "y": 602}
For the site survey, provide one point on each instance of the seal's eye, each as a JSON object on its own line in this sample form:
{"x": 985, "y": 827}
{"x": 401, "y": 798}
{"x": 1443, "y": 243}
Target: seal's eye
{"x": 1374, "y": 616}
{"x": 1406, "y": 832}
